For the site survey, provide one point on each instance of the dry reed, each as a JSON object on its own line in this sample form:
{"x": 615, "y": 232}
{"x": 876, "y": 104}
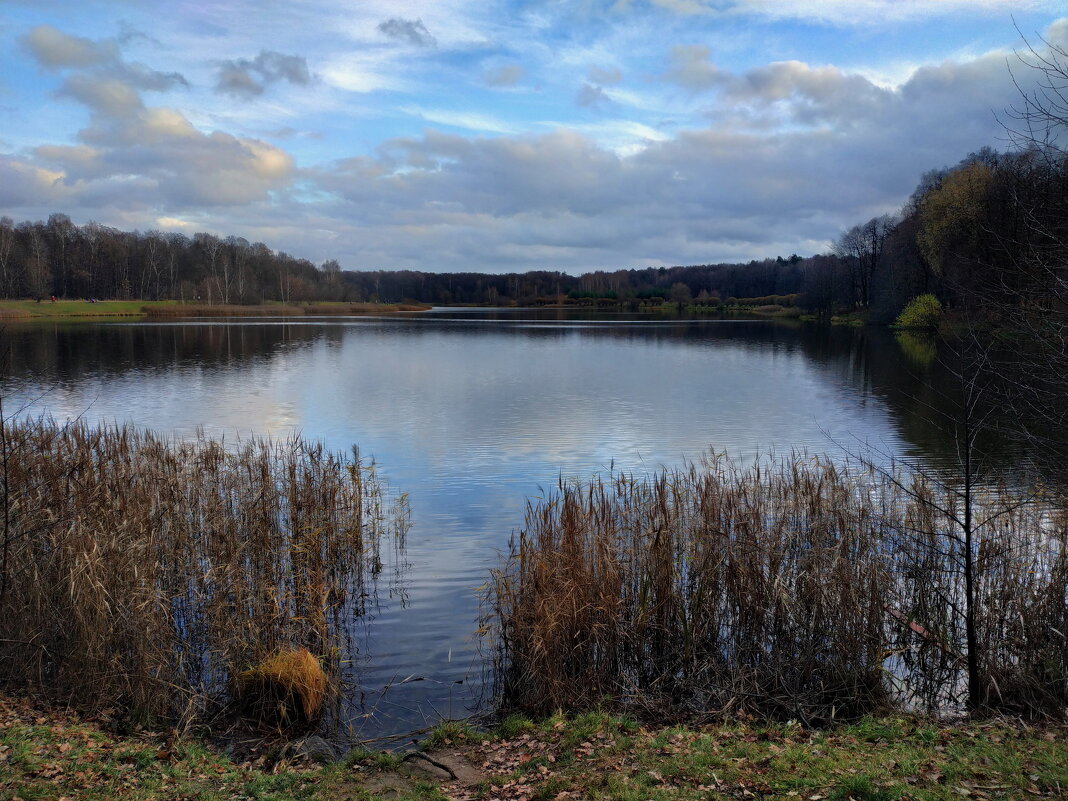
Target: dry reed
{"x": 144, "y": 574}
{"x": 787, "y": 589}
{"x": 285, "y": 689}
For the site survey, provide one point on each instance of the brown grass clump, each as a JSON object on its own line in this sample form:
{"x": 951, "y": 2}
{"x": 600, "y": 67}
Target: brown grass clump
{"x": 284, "y": 689}
{"x": 141, "y": 573}
{"x": 14, "y": 314}
{"x": 788, "y": 590}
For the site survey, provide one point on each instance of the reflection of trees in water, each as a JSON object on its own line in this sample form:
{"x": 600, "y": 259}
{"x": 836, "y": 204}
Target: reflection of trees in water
{"x": 920, "y": 348}
{"x": 914, "y": 376}
{"x": 904, "y": 375}
{"x": 70, "y": 352}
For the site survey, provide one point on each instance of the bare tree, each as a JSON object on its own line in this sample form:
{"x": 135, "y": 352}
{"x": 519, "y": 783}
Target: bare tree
{"x": 7, "y": 244}
{"x": 862, "y": 246}
{"x": 212, "y": 247}
{"x": 37, "y": 274}
{"x": 1029, "y": 294}
{"x": 1039, "y": 120}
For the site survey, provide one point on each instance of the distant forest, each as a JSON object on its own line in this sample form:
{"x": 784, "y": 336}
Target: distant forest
{"x": 990, "y": 230}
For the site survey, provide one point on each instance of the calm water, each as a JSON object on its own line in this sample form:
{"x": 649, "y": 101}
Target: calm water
{"x": 472, "y": 412}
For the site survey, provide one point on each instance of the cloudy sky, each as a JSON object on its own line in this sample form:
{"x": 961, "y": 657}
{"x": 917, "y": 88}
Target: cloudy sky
{"x": 494, "y": 135}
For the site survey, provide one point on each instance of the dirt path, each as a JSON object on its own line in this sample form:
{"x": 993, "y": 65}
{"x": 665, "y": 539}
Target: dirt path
{"x": 457, "y": 776}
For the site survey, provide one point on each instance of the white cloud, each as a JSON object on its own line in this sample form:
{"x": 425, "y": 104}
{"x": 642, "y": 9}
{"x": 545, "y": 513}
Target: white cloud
{"x": 131, "y": 154}
{"x": 362, "y": 73}
{"x": 691, "y": 68}
{"x": 57, "y": 50}
{"x": 246, "y": 78}
{"x": 23, "y": 184}
{"x": 1057, "y": 33}
{"x": 470, "y": 120}
{"x": 856, "y": 12}
{"x": 175, "y": 224}
{"x": 413, "y": 32}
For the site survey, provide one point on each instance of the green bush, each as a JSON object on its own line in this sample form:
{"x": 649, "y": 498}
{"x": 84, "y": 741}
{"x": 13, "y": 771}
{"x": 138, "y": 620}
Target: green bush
{"x": 923, "y": 311}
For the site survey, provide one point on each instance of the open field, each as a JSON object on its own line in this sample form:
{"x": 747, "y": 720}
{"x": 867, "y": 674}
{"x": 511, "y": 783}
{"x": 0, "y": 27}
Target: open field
{"x": 46, "y": 310}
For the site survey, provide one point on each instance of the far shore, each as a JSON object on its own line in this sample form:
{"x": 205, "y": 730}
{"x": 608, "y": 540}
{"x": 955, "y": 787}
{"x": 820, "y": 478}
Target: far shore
{"x": 47, "y": 310}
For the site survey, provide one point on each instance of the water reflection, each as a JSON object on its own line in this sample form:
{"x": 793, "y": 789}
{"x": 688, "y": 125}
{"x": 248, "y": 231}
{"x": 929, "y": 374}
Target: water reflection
{"x": 473, "y": 412}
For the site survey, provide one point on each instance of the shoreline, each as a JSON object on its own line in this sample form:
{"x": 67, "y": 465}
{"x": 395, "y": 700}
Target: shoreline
{"x": 50, "y": 753}
{"x": 29, "y": 311}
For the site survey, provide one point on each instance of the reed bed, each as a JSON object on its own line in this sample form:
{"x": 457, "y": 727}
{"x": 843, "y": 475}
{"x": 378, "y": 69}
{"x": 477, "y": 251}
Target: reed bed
{"x": 144, "y": 574}
{"x": 792, "y": 589}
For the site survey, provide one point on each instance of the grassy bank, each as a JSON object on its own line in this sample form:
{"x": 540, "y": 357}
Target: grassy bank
{"x": 50, "y": 756}
{"x": 64, "y": 309}
{"x": 30, "y": 310}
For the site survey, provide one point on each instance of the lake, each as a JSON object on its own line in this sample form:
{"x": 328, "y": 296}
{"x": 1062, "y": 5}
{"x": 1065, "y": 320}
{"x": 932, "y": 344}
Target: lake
{"x": 472, "y": 412}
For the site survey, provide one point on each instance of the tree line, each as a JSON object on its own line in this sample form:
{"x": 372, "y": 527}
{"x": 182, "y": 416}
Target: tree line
{"x": 41, "y": 259}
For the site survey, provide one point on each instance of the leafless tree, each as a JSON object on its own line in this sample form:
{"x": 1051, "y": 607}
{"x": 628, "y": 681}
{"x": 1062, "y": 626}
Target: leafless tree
{"x": 1039, "y": 120}
{"x": 862, "y": 245}
{"x": 1030, "y": 294}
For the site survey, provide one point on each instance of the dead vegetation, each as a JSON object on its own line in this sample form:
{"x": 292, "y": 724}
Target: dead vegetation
{"x": 286, "y": 689}
{"x": 791, "y": 589}
{"x": 145, "y": 574}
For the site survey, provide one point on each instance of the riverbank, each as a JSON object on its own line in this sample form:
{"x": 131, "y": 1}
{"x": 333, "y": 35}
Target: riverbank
{"x": 45, "y": 311}
{"x": 51, "y": 754}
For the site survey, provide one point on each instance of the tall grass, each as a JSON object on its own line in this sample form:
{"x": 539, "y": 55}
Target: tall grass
{"x": 143, "y": 573}
{"x": 786, "y": 589}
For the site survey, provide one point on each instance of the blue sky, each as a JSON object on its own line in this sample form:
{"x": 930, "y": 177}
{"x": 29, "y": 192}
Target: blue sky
{"x": 494, "y": 135}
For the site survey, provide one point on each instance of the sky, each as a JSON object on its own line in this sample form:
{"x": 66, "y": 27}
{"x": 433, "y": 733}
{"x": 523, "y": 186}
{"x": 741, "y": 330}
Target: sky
{"x": 502, "y": 135}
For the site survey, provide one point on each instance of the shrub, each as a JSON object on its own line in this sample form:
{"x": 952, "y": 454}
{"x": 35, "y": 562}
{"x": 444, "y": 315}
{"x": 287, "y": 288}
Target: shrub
{"x": 923, "y": 311}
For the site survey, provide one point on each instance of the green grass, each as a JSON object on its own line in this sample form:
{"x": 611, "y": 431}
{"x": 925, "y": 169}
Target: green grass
{"x": 598, "y": 756}
{"x": 449, "y": 733}
{"x": 48, "y": 756}
{"x": 512, "y": 726}
{"x": 46, "y": 310}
